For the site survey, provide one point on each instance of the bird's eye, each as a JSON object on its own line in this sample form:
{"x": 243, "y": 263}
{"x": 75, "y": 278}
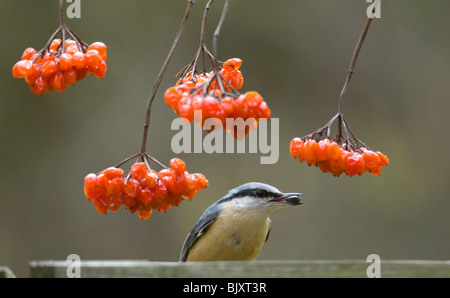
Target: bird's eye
{"x": 261, "y": 193}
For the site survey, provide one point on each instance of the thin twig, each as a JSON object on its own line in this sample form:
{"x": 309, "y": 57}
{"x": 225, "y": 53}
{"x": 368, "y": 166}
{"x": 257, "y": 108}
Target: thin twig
{"x": 353, "y": 63}
{"x": 61, "y": 13}
{"x": 41, "y": 53}
{"x": 156, "y": 161}
{"x": 342, "y": 124}
{"x": 219, "y": 27}
{"x": 81, "y": 44}
{"x": 193, "y": 68}
{"x": 203, "y": 28}
{"x": 162, "y": 73}
{"x": 62, "y": 30}
{"x": 127, "y": 160}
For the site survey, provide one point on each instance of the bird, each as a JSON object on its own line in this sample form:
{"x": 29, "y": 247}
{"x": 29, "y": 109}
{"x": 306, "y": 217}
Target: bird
{"x": 236, "y": 227}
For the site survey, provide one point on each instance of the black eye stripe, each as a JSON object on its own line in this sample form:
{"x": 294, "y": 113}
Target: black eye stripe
{"x": 251, "y": 189}
{"x": 259, "y": 193}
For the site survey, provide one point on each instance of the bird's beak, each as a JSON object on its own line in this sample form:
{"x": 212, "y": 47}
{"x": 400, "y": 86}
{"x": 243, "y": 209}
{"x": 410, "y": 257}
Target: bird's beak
{"x": 289, "y": 199}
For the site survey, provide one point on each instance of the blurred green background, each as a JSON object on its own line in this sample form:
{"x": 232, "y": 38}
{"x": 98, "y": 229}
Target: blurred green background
{"x": 296, "y": 54}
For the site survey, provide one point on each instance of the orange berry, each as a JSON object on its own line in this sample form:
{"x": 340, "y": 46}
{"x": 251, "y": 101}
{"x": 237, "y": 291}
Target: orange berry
{"x": 55, "y": 45}
{"x": 39, "y": 86}
{"x": 209, "y": 107}
{"x": 190, "y": 194}
{"x": 147, "y": 196}
{"x": 138, "y": 170}
{"x": 128, "y": 201}
{"x": 58, "y": 82}
{"x": 131, "y": 188}
{"x": 200, "y": 181}
{"x": 48, "y": 57}
{"x": 78, "y": 60}
{"x": 177, "y": 185}
{"x": 232, "y": 64}
{"x": 100, "y": 47}
{"x": 226, "y": 75}
{"x": 383, "y": 158}
{"x": 253, "y": 99}
{"x": 175, "y": 199}
{"x": 376, "y": 171}
{"x": 186, "y": 111}
{"x": 114, "y": 187}
{"x": 115, "y": 204}
{"x": 101, "y": 205}
{"x": 178, "y": 166}
{"x": 165, "y": 207}
{"x": 310, "y": 149}
{"x": 237, "y": 79}
{"x": 22, "y": 69}
{"x": 371, "y": 160}
{"x": 324, "y": 166}
{"x": 100, "y": 70}
{"x": 65, "y": 61}
{"x": 132, "y": 206}
{"x": 334, "y": 152}
{"x": 337, "y": 166}
{"x": 227, "y": 104}
{"x": 29, "y": 54}
{"x": 49, "y": 68}
{"x": 296, "y": 147}
{"x": 172, "y": 96}
{"x": 70, "y": 77}
{"x": 167, "y": 177}
{"x": 81, "y": 73}
{"x": 263, "y": 111}
{"x": 112, "y": 172}
{"x": 71, "y": 49}
{"x": 355, "y": 165}
{"x": 93, "y": 59}
{"x": 322, "y": 150}
{"x": 102, "y": 183}
{"x": 160, "y": 195}
{"x": 36, "y": 73}
{"x": 89, "y": 186}
{"x": 144, "y": 214}
{"x": 70, "y": 43}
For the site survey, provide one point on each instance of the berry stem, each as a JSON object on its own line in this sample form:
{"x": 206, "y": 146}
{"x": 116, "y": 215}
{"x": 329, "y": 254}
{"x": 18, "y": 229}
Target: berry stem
{"x": 141, "y": 157}
{"x": 82, "y": 46}
{"x": 62, "y": 30}
{"x": 353, "y": 63}
{"x": 146, "y": 157}
{"x": 344, "y": 132}
{"x": 219, "y": 27}
{"x": 61, "y": 13}
{"x": 127, "y": 160}
{"x": 192, "y": 68}
{"x": 203, "y": 28}
{"x": 41, "y": 53}
{"x": 215, "y": 42}
{"x": 162, "y": 73}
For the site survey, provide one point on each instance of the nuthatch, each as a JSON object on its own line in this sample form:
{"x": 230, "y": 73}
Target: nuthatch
{"x": 236, "y": 226}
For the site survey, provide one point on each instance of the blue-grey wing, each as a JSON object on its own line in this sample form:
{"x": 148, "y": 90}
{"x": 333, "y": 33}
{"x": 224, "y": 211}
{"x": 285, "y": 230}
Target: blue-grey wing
{"x": 199, "y": 229}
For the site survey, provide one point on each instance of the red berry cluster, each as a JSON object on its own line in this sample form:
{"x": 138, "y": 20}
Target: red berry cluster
{"x": 335, "y": 159}
{"x": 51, "y": 69}
{"x": 142, "y": 190}
{"x": 230, "y": 73}
{"x": 204, "y": 92}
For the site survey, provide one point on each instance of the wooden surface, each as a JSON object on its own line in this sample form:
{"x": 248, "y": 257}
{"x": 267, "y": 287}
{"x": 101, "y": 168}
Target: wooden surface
{"x": 255, "y": 269}
{"x": 5, "y": 272}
